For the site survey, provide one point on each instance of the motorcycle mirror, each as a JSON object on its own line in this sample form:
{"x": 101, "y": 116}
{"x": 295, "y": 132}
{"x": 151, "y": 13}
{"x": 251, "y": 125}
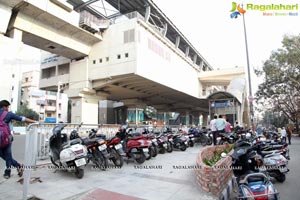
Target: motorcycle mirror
{"x": 223, "y": 155}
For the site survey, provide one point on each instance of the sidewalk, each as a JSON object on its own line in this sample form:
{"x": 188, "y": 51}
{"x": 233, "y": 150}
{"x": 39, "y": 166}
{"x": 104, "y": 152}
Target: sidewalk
{"x": 164, "y": 177}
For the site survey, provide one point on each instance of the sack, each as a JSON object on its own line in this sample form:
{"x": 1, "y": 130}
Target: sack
{"x": 5, "y": 136}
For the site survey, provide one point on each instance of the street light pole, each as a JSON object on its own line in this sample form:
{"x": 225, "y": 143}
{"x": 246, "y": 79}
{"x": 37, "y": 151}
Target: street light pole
{"x": 249, "y": 75}
{"x": 57, "y": 99}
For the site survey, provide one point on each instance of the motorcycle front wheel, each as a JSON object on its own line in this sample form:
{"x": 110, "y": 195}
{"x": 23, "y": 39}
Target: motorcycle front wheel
{"x": 280, "y": 177}
{"x": 100, "y": 161}
{"x": 117, "y": 158}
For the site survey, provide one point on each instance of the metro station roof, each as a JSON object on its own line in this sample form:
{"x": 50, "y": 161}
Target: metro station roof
{"x": 158, "y": 18}
{"x": 235, "y": 89}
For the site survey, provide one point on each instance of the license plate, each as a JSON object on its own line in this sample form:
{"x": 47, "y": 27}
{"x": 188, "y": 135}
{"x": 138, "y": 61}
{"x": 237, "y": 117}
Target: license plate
{"x": 165, "y": 145}
{"x": 186, "y": 143}
{"x": 192, "y": 138}
{"x": 171, "y": 140}
{"x": 146, "y": 150}
{"x": 118, "y": 146}
{"x": 283, "y": 169}
{"x": 80, "y": 162}
{"x": 102, "y": 147}
{"x": 154, "y": 140}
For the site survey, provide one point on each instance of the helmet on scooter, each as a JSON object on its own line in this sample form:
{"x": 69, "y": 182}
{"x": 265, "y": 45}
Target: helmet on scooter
{"x": 92, "y": 133}
{"x": 74, "y": 135}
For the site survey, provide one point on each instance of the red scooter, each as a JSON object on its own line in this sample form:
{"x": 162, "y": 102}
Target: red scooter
{"x": 135, "y": 146}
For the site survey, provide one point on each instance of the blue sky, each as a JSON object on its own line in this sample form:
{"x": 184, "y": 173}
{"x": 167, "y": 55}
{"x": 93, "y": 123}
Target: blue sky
{"x": 220, "y": 39}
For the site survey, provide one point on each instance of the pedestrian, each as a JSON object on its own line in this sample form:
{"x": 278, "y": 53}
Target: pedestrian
{"x": 289, "y": 134}
{"x": 5, "y": 152}
{"x": 213, "y": 129}
{"x": 283, "y": 134}
{"x": 227, "y": 126}
{"x": 220, "y": 124}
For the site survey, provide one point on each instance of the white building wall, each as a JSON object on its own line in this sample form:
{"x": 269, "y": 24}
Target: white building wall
{"x": 157, "y": 62}
{"x": 112, "y": 46}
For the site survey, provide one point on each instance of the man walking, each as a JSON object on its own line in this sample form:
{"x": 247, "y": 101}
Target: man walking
{"x": 213, "y": 129}
{"x": 289, "y": 134}
{"x": 5, "y": 152}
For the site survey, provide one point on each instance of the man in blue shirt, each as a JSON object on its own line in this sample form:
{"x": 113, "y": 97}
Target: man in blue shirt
{"x": 5, "y": 153}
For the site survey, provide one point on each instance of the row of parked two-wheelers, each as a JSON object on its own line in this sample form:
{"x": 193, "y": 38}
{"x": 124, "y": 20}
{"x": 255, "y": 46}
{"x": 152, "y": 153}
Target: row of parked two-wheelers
{"x": 74, "y": 152}
{"x": 255, "y": 162}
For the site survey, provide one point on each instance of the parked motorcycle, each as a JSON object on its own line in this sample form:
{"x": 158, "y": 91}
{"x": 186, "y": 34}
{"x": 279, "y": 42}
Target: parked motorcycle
{"x": 67, "y": 154}
{"x": 178, "y": 141}
{"x": 252, "y": 184}
{"x": 135, "y": 147}
{"x": 96, "y": 147}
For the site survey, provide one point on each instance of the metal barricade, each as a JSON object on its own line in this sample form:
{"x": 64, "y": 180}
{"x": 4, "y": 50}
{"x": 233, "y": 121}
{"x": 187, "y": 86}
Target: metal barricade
{"x": 37, "y": 143}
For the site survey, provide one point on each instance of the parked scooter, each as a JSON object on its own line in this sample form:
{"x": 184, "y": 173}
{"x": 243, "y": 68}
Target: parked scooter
{"x": 251, "y": 183}
{"x": 97, "y": 149}
{"x": 135, "y": 147}
{"x": 274, "y": 164}
{"x": 114, "y": 147}
{"x": 67, "y": 154}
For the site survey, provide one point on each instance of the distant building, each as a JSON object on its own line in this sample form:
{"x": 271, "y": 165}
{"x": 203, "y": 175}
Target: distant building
{"x": 41, "y": 101}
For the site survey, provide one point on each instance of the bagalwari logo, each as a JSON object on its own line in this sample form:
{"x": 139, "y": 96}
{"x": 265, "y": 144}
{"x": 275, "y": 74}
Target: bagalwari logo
{"x": 236, "y": 10}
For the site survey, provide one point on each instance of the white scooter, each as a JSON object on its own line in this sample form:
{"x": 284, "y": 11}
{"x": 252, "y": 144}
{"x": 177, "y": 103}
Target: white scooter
{"x": 66, "y": 154}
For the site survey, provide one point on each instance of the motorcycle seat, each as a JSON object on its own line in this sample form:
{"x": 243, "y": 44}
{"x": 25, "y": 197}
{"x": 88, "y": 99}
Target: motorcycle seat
{"x": 75, "y": 141}
{"x": 65, "y": 145}
{"x": 269, "y": 153}
{"x": 110, "y": 139}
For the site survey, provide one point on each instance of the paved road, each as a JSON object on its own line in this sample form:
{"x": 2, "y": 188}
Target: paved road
{"x": 161, "y": 178}
{"x": 290, "y": 188}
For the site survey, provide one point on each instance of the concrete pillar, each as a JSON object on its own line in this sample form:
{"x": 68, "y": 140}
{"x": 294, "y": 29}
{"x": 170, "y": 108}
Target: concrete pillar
{"x": 84, "y": 109}
{"x": 187, "y": 51}
{"x": 165, "y": 29}
{"x": 106, "y": 112}
{"x": 16, "y": 34}
{"x": 205, "y": 119}
{"x": 201, "y": 64}
{"x": 195, "y": 59}
{"x": 187, "y": 119}
{"x": 5, "y": 13}
{"x": 177, "y": 42}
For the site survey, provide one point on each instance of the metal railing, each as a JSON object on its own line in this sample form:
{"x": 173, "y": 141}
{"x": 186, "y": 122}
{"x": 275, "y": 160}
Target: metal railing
{"x": 37, "y": 141}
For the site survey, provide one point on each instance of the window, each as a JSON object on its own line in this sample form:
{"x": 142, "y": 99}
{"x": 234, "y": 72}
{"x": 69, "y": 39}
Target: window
{"x": 11, "y": 100}
{"x": 126, "y": 55}
{"x": 26, "y": 79}
{"x": 107, "y": 59}
{"x": 100, "y": 60}
{"x": 129, "y": 36}
{"x": 12, "y": 88}
{"x": 48, "y": 114}
{"x": 94, "y": 61}
{"x": 119, "y": 56}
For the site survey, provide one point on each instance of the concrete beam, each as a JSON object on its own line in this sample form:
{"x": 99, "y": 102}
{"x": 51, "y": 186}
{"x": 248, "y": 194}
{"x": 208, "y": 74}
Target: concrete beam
{"x": 147, "y": 13}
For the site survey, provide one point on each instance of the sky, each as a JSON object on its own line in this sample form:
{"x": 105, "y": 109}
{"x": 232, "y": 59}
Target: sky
{"x": 220, "y": 39}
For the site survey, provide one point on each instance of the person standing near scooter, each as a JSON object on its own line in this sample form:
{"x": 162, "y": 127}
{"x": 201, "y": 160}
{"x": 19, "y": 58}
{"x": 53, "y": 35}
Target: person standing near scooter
{"x": 5, "y": 152}
{"x": 213, "y": 129}
{"x": 220, "y": 124}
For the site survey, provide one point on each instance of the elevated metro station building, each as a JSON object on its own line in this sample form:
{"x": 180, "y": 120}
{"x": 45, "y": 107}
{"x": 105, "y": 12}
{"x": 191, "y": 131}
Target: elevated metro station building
{"x": 113, "y": 66}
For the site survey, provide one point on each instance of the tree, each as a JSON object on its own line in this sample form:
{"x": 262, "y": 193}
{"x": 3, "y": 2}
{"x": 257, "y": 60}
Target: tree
{"x": 23, "y": 110}
{"x": 281, "y": 87}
